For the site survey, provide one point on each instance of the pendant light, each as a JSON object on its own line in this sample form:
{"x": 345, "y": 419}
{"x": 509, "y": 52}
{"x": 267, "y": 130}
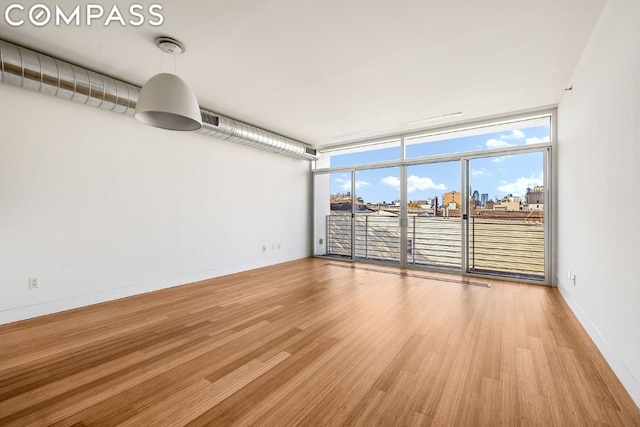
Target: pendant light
{"x": 165, "y": 100}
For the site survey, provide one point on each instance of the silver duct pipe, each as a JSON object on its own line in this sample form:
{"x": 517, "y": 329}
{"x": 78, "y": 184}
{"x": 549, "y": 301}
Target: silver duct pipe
{"x": 41, "y": 73}
{"x": 221, "y": 127}
{"x": 34, "y": 71}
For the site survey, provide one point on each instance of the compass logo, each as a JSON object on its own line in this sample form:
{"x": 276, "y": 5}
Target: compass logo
{"x": 40, "y": 15}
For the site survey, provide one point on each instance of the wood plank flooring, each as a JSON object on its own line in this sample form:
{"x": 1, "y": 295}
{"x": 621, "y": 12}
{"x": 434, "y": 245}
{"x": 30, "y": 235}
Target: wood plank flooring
{"x": 309, "y": 343}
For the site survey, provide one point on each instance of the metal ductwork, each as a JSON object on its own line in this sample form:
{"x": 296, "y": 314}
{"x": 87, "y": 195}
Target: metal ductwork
{"x": 233, "y": 130}
{"x": 41, "y": 73}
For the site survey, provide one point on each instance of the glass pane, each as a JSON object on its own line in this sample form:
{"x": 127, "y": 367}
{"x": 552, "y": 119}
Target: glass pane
{"x": 522, "y": 132}
{"x": 332, "y": 210}
{"x": 377, "y": 225}
{"x": 506, "y": 228}
{"x": 370, "y": 153}
{"x": 434, "y": 228}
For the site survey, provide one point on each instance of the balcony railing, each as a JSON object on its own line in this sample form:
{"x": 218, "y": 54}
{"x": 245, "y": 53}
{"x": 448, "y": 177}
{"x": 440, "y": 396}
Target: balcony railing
{"x": 511, "y": 247}
{"x": 506, "y": 246}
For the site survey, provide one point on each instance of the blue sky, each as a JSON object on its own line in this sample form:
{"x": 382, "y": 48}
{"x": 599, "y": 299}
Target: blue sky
{"x": 497, "y": 176}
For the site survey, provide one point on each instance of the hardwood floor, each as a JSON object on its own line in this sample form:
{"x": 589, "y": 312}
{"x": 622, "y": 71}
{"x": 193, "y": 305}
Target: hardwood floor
{"x": 313, "y": 342}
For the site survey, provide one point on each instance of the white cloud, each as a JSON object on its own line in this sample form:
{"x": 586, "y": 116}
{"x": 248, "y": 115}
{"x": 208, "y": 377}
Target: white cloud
{"x": 478, "y": 172}
{"x": 536, "y": 140}
{"x": 508, "y": 140}
{"x": 515, "y": 134}
{"x": 520, "y": 185}
{"x": 499, "y": 159}
{"x": 417, "y": 183}
{"x": 498, "y": 143}
{"x": 413, "y": 183}
{"x": 391, "y": 181}
{"x": 518, "y": 134}
{"x": 346, "y": 184}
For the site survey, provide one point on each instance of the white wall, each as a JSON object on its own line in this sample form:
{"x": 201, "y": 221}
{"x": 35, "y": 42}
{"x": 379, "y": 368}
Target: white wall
{"x": 599, "y": 156}
{"x": 100, "y": 206}
{"x": 322, "y": 209}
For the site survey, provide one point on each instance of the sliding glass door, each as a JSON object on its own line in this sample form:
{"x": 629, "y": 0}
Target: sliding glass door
{"x": 333, "y": 219}
{"x": 507, "y": 216}
{"x": 433, "y": 215}
{"x": 482, "y": 209}
{"x": 377, "y": 215}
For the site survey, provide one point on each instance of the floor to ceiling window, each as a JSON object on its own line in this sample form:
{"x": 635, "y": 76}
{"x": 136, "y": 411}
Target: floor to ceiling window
{"x": 506, "y": 230}
{"x": 377, "y": 216}
{"x": 470, "y": 200}
{"x": 433, "y": 229}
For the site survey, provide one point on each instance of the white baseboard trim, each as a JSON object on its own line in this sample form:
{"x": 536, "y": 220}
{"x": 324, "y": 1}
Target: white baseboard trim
{"x": 49, "y": 307}
{"x": 629, "y": 382}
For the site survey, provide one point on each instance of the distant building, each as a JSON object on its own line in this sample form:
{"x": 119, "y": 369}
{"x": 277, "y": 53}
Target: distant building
{"x": 474, "y": 203}
{"x": 534, "y": 199}
{"x": 476, "y": 195}
{"x": 489, "y": 204}
{"x": 484, "y": 198}
{"x": 452, "y": 199}
{"x": 509, "y": 203}
{"x": 342, "y": 202}
{"x": 423, "y": 204}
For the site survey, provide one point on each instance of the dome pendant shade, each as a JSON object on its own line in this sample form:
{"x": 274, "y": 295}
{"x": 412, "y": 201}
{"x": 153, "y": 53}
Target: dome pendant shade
{"x": 167, "y": 102}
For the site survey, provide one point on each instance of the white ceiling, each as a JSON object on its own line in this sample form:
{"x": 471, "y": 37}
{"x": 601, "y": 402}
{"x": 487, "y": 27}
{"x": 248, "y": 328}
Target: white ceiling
{"x": 331, "y": 71}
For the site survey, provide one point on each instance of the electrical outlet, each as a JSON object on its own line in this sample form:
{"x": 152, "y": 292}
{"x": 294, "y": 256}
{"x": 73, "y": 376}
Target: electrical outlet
{"x": 264, "y": 248}
{"x": 34, "y": 282}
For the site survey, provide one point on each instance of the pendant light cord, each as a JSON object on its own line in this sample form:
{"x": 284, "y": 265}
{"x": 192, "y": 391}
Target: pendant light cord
{"x": 175, "y": 63}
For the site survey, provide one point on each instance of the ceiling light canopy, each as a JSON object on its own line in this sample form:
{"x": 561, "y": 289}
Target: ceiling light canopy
{"x": 166, "y": 101}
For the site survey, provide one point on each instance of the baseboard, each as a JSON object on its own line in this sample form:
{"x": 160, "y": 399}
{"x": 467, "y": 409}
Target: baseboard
{"x": 27, "y": 312}
{"x": 628, "y": 380}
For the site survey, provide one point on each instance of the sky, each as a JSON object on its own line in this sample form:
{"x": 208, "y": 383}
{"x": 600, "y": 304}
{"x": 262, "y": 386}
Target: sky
{"x": 496, "y": 176}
